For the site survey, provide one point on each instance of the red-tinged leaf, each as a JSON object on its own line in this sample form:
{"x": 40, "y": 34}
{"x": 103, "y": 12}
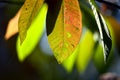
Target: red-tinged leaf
{"x": 67, "y": 31}
{"x": 28, "y": 13}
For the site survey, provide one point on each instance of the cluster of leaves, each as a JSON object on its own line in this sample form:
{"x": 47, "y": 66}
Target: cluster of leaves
{"x": 63, "y": 21}
{"x": 67, "y": 28}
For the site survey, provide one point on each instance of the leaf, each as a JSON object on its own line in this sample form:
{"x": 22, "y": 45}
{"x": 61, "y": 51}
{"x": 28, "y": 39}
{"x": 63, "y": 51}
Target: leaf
{"x": 28, "y": 13}
{"x": 12, "y": 27}
{"x": 68, "y": 64}
{"x": 98, "y": 58}
{"x": 115, "y": 25}
{"x": 85, "y": 52}
{"x": 88, "y": 19}
{"x": 34, "y": 34}
{"x": 67, "y": 31}
{"x": 104, "y": 32}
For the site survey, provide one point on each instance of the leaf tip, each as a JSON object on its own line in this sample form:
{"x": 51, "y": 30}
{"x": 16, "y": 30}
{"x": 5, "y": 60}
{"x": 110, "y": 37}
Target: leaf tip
{"x": 22, "y": 38}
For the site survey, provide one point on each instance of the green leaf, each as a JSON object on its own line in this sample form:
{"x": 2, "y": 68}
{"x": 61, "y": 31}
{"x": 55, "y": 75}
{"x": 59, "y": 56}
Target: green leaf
{"x": 98, "y": 58}
{"x": 68, "y": 64}
{"x": 94, "y": 4}
{"x": 88, "y": 17}
{"x": 105, "y": 35}
{"x": 67, "y": 31}
{"x": 34, "y": 34}
{"x": 28, "y": 13}
{"x": 85, "y": 52}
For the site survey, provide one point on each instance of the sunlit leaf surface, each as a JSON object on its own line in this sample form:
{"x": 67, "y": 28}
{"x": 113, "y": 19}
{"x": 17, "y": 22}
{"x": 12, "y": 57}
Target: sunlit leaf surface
{"x": 68, "y": 64}
{"x": 85, "y": 52}
{"x": 99, "y": 58}
{"x": 66, "y": 33}
{"x": 33, "y": 35}
{"x": 28, "y": 13}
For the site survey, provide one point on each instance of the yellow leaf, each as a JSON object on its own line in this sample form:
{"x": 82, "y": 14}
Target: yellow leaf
{"x": 34, "y": 34}
{"x": 67, "y": 31}
{"x": 28, "y": 13}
